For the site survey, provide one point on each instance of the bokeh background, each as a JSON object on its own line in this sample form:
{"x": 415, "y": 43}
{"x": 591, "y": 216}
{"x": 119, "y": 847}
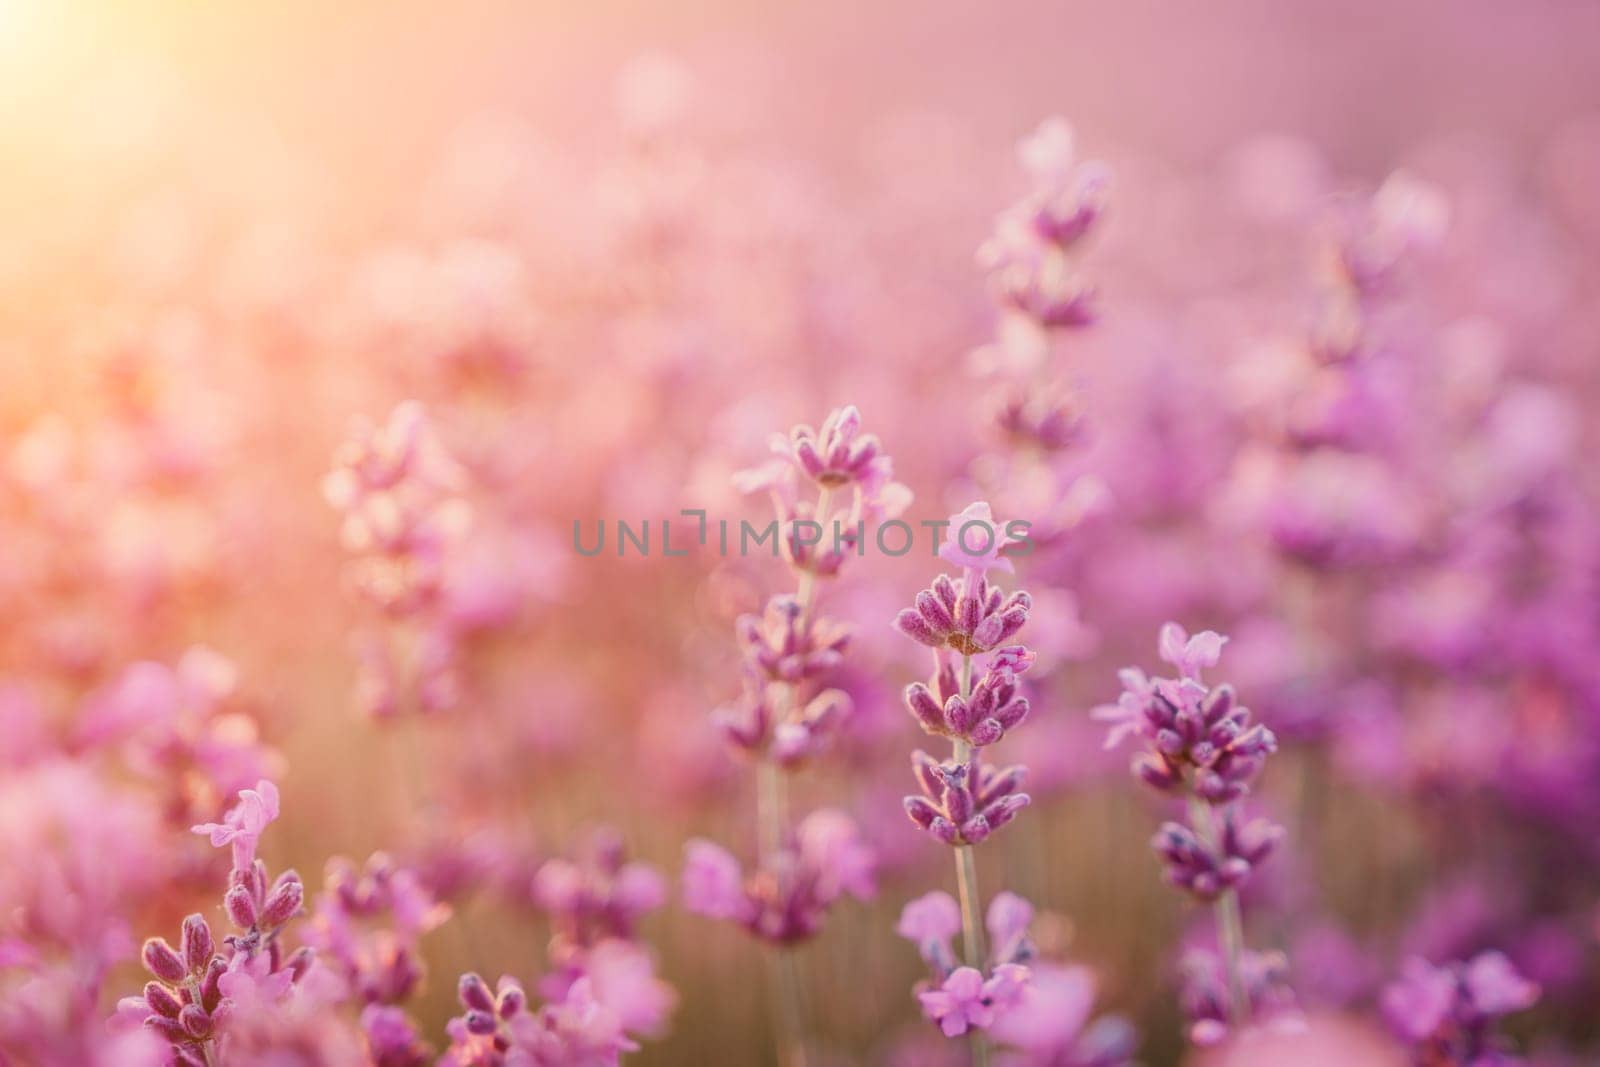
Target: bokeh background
{"x": 611, "y": 247}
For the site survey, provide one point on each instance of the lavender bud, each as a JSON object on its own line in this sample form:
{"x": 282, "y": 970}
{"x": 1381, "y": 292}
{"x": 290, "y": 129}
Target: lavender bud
{"x": 194, "y": 1020}
{"x": 284, "y": 903}
{"x": 924, "y": 707}
{"x": 299, "y": 962}
{"x": 922, "y": 811}
{"x": 167, "y": 1028}
{"x": 161, "y": 961}
{"x": 999, "y": 783}
{"x": 198, "y": 946}
{"x": 958, "y": 805}
{"x": 934, "y": 612}
{"x": 927, "y": 771}
{"x": 241, "y": 907}
{"x": 986, "y": 732}
{"x": 475, "y": 994}
{"x": 161, "y": 1000}
{"x": 211, "y": 984}
{"x": 958, "y": 715}
{"x": 975, "y": 830}
{"x": 1005, "y": 809}
{"x": 914, "y": 626}
{"x": 512, "y": 1001}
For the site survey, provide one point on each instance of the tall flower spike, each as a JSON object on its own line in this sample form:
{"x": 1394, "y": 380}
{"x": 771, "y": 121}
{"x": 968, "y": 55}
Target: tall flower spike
{"x": 1199, "y": 741}
{"x": 787, "y": 713}
{"x": 963, "y": 800}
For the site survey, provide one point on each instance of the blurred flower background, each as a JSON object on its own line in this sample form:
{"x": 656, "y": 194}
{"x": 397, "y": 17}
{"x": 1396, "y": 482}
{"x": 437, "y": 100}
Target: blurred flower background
{"x": 321, "y": 326}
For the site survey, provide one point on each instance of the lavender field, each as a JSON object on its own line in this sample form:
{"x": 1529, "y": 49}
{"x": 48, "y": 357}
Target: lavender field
{"x": 1022, "y": 535}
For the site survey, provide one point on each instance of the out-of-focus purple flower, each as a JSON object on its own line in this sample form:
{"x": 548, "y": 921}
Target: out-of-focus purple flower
{"x": 929, "y": 922}
{"x": 501, "y": 1029}
{"x": 765, "y": 722}
{"x": 967, "y": 1000}
{"x": 785, "y": 901}
{"x": 598, "y": 894}
{"x": 785, "y": 646}
{"x": 1449, "y": 1013}
{"x": 1208, "y": 870}
{"x": 368, "y": 926}
{"x": 392, "y": 1039}
{"x": 622, "y": 976}
{"x": 1205, "y": 994}
{"x": 1051, "y": 1024}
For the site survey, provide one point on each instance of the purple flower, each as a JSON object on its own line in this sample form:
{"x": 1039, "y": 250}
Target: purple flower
{"x": 392, "y": 1038}
{"x": 958, "y": 811}
{"x": 825, "y": 859}
{"x": 783, "y": 645}
{"x": 243, "y": 825}
{"x": 1419, "y": 1002}
{"x": 1007, "y": 920}
{"x": 713, "y": 882}
{"x": 967, "y": 615}
{"x": 931, "y": 918}
{"x": 1449, "y": 1012}
{"x": 598, "y": 895}
{"x": 1190, "y": 655}
{"x": 1205, "y": 993}
{"x": 977, "y": 541}
{"x": 966, "y": 1000}
{"x": 1208, "y": 870}
{"x": 1196, "y": 734}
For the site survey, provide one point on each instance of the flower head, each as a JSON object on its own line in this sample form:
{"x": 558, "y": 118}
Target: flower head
{"x": 243, "y": 825}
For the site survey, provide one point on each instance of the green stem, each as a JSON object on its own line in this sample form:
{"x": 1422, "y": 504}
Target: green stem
{"x": 1230, "y": 923}
{"x": 771, "y": 819}
{"x": 972, "y": 948}
{"x": 786, "y": 1007}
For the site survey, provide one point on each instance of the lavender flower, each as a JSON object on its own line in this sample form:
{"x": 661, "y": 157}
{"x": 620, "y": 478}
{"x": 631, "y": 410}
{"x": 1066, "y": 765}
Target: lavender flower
{"x": 1448, "y": 1013}
{"x": 967, "y": 616}
{"x": 786, "y": 900}
{"x": 368, "y": 926}
{"x": 787, "y": 715}
{"x": 963, "y": 800}
{"x": 1208, "y": 991}
{"x": 1197, "y": 734}
{"x": 959, "y": 811}
{"x": 1202, "y": 742}
{"x": 501, "y": 1029}
{"x": 962, "y": 997}
{"x": 242, "y": 826}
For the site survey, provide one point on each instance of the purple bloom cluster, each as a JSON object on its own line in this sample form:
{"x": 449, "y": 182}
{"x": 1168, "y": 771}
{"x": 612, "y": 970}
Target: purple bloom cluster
{"x": 788, "y": 714}
{"x": 1448, "y": 1014}
{"x": 959, "y": 997}
{"x": 1200, "y": 741}
{"x": 1208, "y": 991}
{"x": 209, "y": 997}
{"x": 786, "y": 900}
{"x": 368, "y": 924}
{"x": 962, "y": 803}
{"x": 500, "y": 1029}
